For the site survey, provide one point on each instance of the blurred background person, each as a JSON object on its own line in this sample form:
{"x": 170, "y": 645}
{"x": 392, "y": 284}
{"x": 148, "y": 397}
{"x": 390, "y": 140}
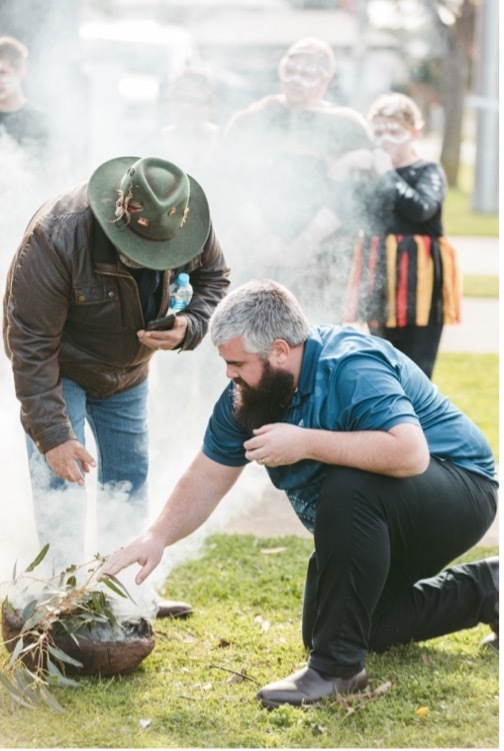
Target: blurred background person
{"x": 405, "y": 281}
{"x": 282, "y": 213}
{"x": 27, "y": 147}
{"x": 21, "y": 121}
{"x": 191, "y": 135}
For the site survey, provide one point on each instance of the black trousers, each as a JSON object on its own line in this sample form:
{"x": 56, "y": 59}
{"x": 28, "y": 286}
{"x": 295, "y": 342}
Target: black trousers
{"x": 419, "y": 343}
{"x": 374, "y": 579}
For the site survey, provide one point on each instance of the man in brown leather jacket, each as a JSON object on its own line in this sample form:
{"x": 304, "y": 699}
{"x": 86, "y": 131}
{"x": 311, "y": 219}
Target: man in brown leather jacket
{"x": 92, "y": 270}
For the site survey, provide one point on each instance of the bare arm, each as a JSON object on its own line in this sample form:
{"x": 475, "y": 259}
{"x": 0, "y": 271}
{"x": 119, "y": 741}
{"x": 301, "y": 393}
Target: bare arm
{"x": 400, "y": 452}
{"x": 195, "y": 496}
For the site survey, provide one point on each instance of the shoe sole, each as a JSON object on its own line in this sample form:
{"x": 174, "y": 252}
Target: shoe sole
{"x": 268, "y": 704}
{"x": 179, "y": 614}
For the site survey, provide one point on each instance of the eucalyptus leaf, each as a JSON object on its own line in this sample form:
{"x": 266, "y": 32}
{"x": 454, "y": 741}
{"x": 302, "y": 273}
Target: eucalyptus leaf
{"x": 16, "y": 651}
{"x": 116, "y": 586}
{"x": 29, "y": 610}
{"x": 55, "y": 676}
{"x": 97, "y": 602}
{"x": 38, "y": 559}
{"x": 18, "y": 696}
{"x": 24, "y": 680}
{"x": 63, "y": 607}
{"x": 52, "y": 668}
{"x": 34, "y": 620}
{"x": 111, "y": 618}
{"x": 58, "y": 654}
{"x": 62, "y": 680}
{"x": 50, "y": 700}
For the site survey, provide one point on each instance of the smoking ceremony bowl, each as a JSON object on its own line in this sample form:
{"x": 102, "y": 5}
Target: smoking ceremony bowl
{"x": 101, "y": 650}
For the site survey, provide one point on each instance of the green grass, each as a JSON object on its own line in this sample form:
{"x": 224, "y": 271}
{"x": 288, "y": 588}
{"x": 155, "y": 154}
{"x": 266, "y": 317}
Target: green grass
{"x": 459, "y": 219}
{"x": 246, "y": 622}
{"x": 247, "y": 597}
{"x": 481, "y": 286}
{"x": 471, "y": 381}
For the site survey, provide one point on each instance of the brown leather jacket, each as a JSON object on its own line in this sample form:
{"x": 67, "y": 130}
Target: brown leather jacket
{"x": 72, "y": 309}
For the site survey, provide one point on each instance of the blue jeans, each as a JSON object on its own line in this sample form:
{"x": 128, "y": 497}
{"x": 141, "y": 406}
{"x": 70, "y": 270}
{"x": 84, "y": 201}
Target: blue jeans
{"x": 119, "y": 427}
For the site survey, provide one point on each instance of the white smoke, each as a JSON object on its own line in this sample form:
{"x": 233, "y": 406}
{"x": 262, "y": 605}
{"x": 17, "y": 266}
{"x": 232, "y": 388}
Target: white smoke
{"x": 92, "y": 126}
{"x": 95, "y": 124}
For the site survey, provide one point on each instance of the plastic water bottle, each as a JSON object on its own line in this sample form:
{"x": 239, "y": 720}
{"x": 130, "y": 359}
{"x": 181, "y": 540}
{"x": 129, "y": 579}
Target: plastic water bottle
{"x": 180, "y": 293}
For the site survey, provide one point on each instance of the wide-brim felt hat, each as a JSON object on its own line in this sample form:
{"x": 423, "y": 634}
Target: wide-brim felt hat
{"x": 150, "y": 209}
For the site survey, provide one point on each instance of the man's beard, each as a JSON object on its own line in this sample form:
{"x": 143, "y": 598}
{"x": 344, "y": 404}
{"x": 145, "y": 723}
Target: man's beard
{"x": 265, "y": 403}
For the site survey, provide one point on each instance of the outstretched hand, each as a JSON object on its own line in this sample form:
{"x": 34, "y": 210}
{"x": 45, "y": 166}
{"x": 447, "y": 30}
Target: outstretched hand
{"x": 67, "y": 460}
{"x": 146, "y": 550}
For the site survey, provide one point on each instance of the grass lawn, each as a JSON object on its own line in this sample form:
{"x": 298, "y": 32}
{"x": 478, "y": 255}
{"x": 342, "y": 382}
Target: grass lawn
{"x": 197, "y": 688}
{"x": 460, "y": 219}
{"x": 476, "y": 285}
{"x": 471, "y": 381}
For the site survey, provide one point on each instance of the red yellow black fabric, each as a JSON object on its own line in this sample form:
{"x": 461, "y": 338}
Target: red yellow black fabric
{"x": 404, "y": 280}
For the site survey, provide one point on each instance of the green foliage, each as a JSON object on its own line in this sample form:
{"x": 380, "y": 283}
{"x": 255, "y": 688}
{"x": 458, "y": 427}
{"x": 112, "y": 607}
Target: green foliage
{"x": 196, "y": 690}
{"x": 471, "y": 381}
{"x": 61, "y": 606}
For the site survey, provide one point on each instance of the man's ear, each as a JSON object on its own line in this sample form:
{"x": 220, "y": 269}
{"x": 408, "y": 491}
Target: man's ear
{"x": 279, "y": 353}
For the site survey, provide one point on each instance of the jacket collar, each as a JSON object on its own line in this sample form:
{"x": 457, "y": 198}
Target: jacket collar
{"x": 104, "y": 253}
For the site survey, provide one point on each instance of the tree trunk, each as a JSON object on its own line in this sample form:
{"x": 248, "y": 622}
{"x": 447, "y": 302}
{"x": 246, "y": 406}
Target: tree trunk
{"x": 456, "y": 82}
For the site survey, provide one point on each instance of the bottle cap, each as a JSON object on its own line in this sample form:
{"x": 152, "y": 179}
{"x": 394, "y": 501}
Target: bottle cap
{"x": 183, "y": 278}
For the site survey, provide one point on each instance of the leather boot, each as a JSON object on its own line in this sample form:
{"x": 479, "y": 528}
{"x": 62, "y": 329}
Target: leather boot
{"x": 308, "y": 686}
{"x": 172, "y": 609}
{"x": 492, "y": 640}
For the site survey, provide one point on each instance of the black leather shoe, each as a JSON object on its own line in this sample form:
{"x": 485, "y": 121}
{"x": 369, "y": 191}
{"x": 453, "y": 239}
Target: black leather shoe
{"x": 308, "y": 686}
{"x": 172, "y": 609}
{"x": 492, "y": 640}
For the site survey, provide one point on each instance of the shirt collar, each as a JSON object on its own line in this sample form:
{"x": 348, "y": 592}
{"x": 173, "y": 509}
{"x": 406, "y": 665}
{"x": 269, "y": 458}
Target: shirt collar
{"x": 312, "y": 349}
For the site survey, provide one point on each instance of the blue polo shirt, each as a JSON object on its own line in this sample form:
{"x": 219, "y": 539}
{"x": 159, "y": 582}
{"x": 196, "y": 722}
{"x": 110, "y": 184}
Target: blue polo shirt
{"x": 352, "y": 381}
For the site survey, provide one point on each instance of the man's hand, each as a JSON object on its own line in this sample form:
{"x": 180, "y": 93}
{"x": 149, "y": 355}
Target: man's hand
{"x": 146, "y": 550}
{"x": 165, "y": 339}
{"x": 67, "y": 459}
{"x": 276, "y": 445}
{"x": 401, "y": 451}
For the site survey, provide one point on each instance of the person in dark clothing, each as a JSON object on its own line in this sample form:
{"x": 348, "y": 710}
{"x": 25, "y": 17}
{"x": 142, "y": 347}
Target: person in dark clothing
{"x": 392, "y": 479}
{"x": 405, "y": 281}
{"x": 92, "y": 270}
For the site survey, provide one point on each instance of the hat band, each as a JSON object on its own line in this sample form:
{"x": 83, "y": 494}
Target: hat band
{"x": 124, "y": 222}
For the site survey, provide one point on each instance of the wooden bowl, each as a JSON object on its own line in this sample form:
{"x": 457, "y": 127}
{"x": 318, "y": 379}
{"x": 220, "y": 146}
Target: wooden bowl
{"x": 98, "y": 653}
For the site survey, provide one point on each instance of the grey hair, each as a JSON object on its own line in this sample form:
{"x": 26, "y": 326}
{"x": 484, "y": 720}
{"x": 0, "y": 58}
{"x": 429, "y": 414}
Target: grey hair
{"x": 259, "y": 312}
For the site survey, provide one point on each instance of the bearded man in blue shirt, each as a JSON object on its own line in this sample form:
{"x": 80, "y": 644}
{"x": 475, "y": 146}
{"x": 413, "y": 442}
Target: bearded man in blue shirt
{"x": 392, "y": 479}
